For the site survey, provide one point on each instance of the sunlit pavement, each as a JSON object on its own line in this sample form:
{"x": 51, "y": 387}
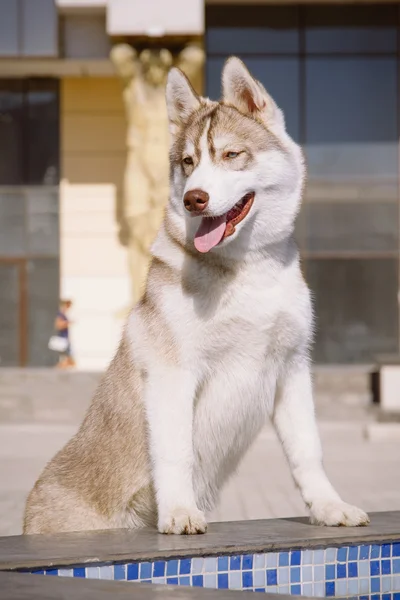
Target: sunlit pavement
{"x": 365, "y": 473}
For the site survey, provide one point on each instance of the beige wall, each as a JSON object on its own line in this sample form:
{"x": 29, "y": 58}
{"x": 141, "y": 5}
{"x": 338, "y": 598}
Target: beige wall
{"x": 94, "y": 270}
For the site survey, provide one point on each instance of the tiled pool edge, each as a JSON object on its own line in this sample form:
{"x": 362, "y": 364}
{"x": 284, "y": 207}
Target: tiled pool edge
{"x": 361, "y": 570}
{"x": 246, "y": 538}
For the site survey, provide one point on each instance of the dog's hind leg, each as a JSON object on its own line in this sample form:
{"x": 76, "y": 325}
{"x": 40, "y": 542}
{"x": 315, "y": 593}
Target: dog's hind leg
{"x": 294, "y": 420}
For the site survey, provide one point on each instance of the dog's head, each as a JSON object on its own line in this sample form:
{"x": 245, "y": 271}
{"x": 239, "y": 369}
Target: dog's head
{"x": 236, "y": 175}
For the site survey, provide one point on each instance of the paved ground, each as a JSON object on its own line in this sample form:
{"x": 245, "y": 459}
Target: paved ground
{"x": 365, "y": 473}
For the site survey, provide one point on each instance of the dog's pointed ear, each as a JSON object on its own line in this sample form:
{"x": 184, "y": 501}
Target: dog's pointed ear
{"x": 248, "y": 95}
{"x": 182, "y": 100}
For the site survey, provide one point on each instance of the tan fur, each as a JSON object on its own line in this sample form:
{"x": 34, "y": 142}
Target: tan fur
{"x": 104, "y": 468}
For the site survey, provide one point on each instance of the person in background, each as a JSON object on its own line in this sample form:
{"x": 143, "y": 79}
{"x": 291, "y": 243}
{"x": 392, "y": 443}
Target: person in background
{"x": 61, "y": 325}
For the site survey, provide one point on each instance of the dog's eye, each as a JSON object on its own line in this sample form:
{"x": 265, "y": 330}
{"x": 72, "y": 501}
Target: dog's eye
{"x": 188, "y": 160}
{"x": 231, "y": 154}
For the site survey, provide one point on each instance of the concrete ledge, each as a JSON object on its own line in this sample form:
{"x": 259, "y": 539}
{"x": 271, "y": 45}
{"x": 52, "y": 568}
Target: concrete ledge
{"x": 241, "y": 537}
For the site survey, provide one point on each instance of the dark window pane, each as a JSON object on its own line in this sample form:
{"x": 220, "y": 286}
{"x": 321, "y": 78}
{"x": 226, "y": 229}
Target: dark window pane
{"x": 345, "y": 28}
{"x": 9, "y": 43}
{"x": 39, "y": 28}
{"x": 251, "y": 29}
{"x": 352, "y": 153}
{"x": 12, "y": 223}
{"x": 43, "y": 291}
{"x": 11, "y": 124}
{"x": 43, "y": 132}
{"x": 351, "y": 226}
{"x": 280, "y": 76}
{"x": 356, "y": 308}
{"x": 42, "y": 221}
{"x": 9, "y": 315}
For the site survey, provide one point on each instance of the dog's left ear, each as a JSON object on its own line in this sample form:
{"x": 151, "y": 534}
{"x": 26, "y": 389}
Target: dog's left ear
{"x": 247, "y": 94}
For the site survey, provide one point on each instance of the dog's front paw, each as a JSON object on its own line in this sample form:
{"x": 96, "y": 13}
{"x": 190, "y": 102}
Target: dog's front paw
{"x": 336, "y": 514}
{"x": 182, "y": 521}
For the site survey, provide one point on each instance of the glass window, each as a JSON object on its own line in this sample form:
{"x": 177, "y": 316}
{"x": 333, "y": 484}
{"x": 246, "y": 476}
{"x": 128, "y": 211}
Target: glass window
{"x": 43, "y": 296}
{"x": 12, "y": 224}
{"x": 9, "y": 315}
{"x": 249, "y": 29}
{"x": 42, "y": 221}
{"x": 11, "y": 125}
{"x": 43, "y": 133}
{"x": 356, "y": 308}
{"x": 29, "y": 132}
{"x": 341, "y": 28}
{"x": 352, "y": 153}
{"x": 280, "y": 77}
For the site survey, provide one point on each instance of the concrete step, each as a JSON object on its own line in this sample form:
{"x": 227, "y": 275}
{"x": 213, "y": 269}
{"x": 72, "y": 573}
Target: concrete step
{"x": 53, "y": 396}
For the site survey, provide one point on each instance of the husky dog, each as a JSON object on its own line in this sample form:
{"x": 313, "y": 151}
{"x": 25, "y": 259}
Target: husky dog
{"x": 218, "y": 344}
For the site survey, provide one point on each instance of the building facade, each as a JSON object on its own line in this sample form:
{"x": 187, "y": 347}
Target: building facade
{"x": 332, "y": 68}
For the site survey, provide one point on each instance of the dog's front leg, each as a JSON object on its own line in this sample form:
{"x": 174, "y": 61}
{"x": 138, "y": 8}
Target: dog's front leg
{"x": 296, "y": 426}
{"x": 169, "y": 397}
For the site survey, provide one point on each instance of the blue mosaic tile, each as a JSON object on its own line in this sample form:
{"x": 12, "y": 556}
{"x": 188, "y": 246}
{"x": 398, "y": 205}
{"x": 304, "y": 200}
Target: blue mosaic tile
{"x": 172, "y": 567}
{"x": 145, "y": 570}
{"x": 330, "y": 588}
{"x": 235, "y": 563}
{"x": 330, "y": 572}
{"x": 272, "y": 577}
{"x": 295, "y": 575}
{"x": 385, "y": 567}
{"x": 386, "y": 550}
{"x": 370, "y": 571}
{"x": 247, "y": 562}
{"x": 364, "y": 552}
{"x": 341, "y": 571}
{"x": 342, "y": 554}
{"x": 375, "y": 584}
{"x": 247, "y": 579}
{"x": 295, "y": 557}
{"x": 133, "y": 572}
{"x": 283, "y": 559}
{"x": 223, "y": 563}
{"x": 352, "y": 569}
{"x": 119, "y": 572}
{"x": 184, "y": 566}
{"x": 159, "y": 568}
{"x": 79, "y": 572}
{"x": 375, "y": 551}
{"x": 353, "y": 553}
{"x": 374, "y": 568}
{"x": 197, "y": 580}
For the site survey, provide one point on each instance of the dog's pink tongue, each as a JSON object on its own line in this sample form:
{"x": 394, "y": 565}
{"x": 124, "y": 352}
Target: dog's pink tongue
{"x": 210, "y": 233}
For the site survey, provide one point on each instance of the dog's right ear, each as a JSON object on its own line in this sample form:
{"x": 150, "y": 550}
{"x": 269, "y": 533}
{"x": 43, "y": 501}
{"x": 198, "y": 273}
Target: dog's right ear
{"x": 182, "y": 100}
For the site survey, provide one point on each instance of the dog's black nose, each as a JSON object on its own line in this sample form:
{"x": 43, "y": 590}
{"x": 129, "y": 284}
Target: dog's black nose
{"x": 195, "y": 200}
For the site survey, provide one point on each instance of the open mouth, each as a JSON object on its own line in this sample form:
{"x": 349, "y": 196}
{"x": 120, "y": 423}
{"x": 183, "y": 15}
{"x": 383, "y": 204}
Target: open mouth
{"x": 215, "y": 229}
